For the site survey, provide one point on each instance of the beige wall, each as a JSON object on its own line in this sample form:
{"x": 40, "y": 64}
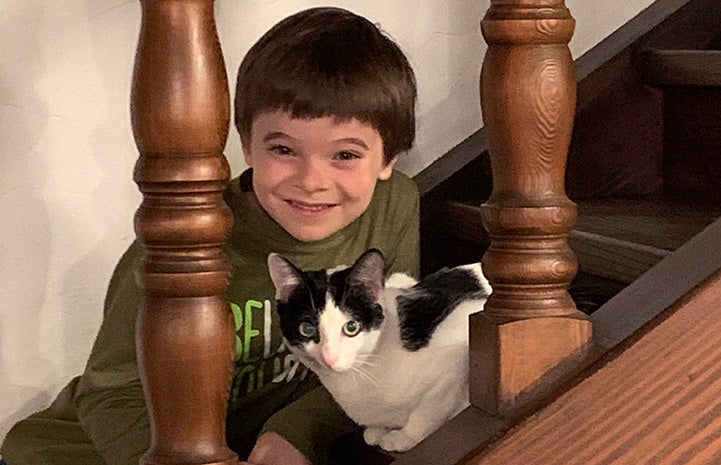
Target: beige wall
{"x": 66, "y": 193}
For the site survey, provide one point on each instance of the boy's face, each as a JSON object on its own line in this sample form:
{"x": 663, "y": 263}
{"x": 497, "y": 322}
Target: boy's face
{"x": 314, "y": 176}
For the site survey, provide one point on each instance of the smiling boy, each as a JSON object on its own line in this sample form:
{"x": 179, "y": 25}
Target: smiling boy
{"x": 324, "y": 105}
{"x": 314, "y": 176}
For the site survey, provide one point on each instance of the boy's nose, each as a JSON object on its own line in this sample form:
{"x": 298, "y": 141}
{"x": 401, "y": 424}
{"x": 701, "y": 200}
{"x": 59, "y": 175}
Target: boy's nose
{"x": 312, "y": 175}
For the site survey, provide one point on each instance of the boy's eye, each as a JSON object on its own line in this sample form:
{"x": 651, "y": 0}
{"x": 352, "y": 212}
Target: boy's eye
{"x": 307, "y": 329}
{"x": 281, "y": 149}
{"x": 347, "y": 156}
{"x": 352, "y": 328}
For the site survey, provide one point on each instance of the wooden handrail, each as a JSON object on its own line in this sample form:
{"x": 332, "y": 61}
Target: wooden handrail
{"x": 528, "y": 91}
{"x": 180, "y": 116}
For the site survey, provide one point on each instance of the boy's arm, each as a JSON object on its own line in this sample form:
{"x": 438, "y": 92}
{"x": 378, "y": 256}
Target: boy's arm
{"x": 273, "y": 449}
{"x": 310, "y": 425}
{"x": 109, "y": 398}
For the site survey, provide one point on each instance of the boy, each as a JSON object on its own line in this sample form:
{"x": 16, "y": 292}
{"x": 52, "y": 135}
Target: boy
{"x": 324, "y": 105}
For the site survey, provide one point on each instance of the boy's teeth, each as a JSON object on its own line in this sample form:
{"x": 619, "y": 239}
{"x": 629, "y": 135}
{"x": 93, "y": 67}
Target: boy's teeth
{"x": 310, "y": 207}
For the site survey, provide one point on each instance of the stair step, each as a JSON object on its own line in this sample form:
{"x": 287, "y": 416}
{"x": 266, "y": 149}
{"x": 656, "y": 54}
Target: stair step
{"x": 682, "y": 68}
{"x": 617, "y": 239}
{"x": 621, "y": 239}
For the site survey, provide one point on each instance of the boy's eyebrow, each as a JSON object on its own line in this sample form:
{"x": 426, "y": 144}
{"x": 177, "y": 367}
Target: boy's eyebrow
{"x": 350, "y": 140}
{"x": 354, "y": 140}
{"x": 275, "y": 135}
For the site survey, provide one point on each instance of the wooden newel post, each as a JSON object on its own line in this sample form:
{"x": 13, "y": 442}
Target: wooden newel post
{"x": 180, "y": 115}
{"x": 528, "y": 95}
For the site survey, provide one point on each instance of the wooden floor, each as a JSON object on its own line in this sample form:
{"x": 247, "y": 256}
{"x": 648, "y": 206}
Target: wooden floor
{"x": 657, "y": 402}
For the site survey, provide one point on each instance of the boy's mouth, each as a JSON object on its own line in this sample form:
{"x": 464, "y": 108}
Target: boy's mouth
{"x": 306, "y": 207}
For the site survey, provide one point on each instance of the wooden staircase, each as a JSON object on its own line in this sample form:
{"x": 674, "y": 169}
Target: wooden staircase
{"x": 622, "y": 238}
{"x": 644, "y": 164}
{"x": 645, "y": 171}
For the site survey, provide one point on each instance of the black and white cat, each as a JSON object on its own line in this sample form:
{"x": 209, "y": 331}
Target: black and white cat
{"x": 393, "y": 352}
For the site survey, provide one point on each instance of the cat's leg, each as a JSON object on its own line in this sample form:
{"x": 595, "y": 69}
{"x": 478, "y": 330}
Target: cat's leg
{"x": 373, "y": 435}
{"x": 436, "y": 407}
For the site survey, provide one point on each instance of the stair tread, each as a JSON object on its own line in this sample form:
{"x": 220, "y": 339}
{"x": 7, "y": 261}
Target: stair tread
{"x": 619, "y": 239}
{"x": 682, "y": 68}
{"x": 622, "y": 239}
{"x": 661, "y": 224}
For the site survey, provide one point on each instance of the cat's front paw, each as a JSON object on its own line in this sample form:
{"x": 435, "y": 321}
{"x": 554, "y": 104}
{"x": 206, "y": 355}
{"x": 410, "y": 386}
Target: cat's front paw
{"x": 397, "y": 441}
{"x": 373, "y": 435}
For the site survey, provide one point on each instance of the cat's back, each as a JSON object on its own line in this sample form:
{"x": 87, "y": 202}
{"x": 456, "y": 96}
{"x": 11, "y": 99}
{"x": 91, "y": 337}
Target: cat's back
{"x": 439, "y": 305}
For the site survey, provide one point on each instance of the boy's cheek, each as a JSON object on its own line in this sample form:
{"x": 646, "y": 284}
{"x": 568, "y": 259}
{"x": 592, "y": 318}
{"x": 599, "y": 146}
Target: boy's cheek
{"x": 268, "y": 173}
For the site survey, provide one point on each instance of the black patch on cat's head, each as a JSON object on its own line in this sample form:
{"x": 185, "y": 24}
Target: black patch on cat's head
{"x": 356, "y": 290}
{"x": 299, "y": 295}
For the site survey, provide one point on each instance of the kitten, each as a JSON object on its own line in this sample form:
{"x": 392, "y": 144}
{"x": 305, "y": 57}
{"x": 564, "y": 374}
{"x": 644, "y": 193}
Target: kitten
{"x": 393, "y": 352}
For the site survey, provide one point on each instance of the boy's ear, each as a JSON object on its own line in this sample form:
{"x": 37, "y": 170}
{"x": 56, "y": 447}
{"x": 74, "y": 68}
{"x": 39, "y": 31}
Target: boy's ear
{"x": 387, "y": 170}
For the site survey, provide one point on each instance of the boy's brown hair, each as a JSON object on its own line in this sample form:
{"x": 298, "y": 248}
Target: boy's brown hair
{"x": 329, "y": 62}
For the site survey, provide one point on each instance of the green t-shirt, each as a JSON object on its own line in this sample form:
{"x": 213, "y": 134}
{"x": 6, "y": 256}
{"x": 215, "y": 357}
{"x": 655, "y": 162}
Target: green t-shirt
{"x": 101, "y": 417}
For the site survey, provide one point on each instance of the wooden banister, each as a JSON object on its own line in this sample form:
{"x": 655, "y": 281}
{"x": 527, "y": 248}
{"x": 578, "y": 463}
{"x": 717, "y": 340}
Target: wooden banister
{"x": 528, "y": 91}
{"x": 180, "y": 116}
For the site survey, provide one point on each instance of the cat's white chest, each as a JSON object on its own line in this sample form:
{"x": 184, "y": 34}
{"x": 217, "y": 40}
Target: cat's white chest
{"x": 374, "y": 396}
{"x": 386, "y": 389}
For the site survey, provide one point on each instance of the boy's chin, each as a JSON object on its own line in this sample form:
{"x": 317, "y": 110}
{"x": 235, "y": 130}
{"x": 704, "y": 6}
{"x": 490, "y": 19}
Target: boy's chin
{"x": 306, "y": 237}
{"x": 313, "y": 233}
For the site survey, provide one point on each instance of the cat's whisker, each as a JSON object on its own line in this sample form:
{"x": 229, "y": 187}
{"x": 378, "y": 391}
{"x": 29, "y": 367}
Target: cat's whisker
{"x": 365, "y": 374}
{"x": 365, "y": 363}
{"x": 375, "y": 357}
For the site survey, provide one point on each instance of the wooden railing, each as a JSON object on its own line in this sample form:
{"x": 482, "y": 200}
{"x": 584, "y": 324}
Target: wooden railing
{"x": 180, "y": 114}
{"x": 528, "y": 95}
{"x": 185, "y": 341}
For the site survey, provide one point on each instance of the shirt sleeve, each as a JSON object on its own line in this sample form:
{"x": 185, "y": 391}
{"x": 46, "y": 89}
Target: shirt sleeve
{"x": 109, "y": 398}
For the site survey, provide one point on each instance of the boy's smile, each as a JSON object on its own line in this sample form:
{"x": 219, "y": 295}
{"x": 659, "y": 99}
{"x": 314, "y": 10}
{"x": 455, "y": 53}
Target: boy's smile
{"x": 314, "y": 176}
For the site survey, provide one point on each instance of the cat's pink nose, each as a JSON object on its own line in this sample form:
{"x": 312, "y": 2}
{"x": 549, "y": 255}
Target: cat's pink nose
{"x": 330, "y": 359}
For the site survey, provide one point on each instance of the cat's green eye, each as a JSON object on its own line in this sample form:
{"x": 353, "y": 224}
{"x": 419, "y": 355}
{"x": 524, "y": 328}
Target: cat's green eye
{"x": 352, "y": 328}
{"x": 307, "y": 329}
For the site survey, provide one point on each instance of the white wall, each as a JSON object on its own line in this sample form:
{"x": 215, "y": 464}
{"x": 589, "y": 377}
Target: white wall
{"x": 66, "y": 194}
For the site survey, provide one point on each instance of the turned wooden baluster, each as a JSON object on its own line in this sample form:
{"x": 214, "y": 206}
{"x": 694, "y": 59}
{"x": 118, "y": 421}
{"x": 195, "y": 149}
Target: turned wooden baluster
{"x": 528, "y": 94}
{"x": 180, "y": 115}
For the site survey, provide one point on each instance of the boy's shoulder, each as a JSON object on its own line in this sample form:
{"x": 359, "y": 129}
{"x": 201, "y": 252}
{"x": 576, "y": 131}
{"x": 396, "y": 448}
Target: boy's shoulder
{"x": 399, "y": 184}
{"x": 396, "y": 197}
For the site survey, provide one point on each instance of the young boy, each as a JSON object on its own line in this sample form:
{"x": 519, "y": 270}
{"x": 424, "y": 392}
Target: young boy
{"x": 324, "y": 105}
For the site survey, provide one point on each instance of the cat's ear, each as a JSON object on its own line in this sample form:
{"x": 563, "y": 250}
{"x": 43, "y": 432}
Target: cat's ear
{"x": 285, "y": 276}
{"x": 368, "y": 272}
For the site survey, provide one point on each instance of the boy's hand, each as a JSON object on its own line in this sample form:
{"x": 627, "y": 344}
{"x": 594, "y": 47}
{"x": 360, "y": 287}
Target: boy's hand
{"x": 273, "y": 449}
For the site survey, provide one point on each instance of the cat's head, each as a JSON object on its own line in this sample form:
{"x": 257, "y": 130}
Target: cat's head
{"x": 330, "y": 318}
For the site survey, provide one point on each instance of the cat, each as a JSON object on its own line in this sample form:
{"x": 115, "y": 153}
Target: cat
{"x": 392, "y": 351}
